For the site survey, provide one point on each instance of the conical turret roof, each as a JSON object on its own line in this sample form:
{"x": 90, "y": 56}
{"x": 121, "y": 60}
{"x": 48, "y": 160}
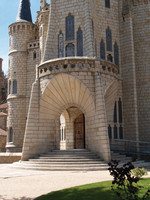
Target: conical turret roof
{"x": 24, "y": 12}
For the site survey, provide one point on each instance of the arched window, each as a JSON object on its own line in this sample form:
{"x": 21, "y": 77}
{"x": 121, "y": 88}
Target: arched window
{"x": 116, "y": 54}
{"x": 60, "y": 45}
{"x": 109, "y": 132}
{"x": 108, "y": 39}
{"x": 110, "y": 58}
{"x": 79, "y": 42}
{"x": 14, "y": 87}
{"x": 34, "y": 55}
{"x": 10, "y": 135}
{"x": 120, "y": 110}
{"x": 115, "y": 112}
{"x": 107, "y": 3}
{"x": 102, "y": 50}
{"x": 115, "y": 132}
{"x": 120, "y": 132}
{"x": 70, "y": 50}
{"x": 70, "y": 27}
{"x": 9, "y": 86}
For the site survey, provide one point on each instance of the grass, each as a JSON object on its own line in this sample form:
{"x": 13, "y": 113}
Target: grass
{"x": 95, "y": 191}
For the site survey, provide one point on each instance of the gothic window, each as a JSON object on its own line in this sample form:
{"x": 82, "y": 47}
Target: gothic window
{"x": 109, "y": 132}
{"x": 115, "y": 132}
{"x": 102, "y": 50}
{"x": 115, "y": 112}
{"x": 120, "y": 110}
{"x": 120, "y": 132}
{"x": 10, "y": 135}
{"x": 107, "y": 3}
{"x": 108, "y": 39}
{"x": 60, "y": 45}
{"x": 116, "y": 54}
{"x": 70, "y": 50}
{"x": 110, "y": 58}
{"x": 79, "y": 42}
{"x": 14, "y": 87}
{"x": 9, "y": 86}
{"x": 70, "y": 27}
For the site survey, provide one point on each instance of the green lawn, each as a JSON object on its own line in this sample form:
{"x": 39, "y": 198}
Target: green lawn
{"x": 95, "y": 191}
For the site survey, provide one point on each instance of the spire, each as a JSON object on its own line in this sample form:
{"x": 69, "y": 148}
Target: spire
{"x": 24, "y": 12}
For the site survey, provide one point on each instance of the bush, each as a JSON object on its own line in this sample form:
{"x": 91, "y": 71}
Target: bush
{"x": 139, "y": 172}
{"x": 124, "y": 184}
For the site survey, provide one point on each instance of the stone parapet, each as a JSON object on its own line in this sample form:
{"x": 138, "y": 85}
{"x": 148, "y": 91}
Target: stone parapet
{"x": 9, "y": 157}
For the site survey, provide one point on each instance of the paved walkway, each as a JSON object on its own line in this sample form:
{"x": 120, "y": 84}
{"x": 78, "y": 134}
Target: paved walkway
{"x": 19, "y": 184}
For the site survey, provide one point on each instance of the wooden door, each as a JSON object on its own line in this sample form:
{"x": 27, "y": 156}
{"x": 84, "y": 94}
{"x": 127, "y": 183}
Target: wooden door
{"x": 79, "y": 129}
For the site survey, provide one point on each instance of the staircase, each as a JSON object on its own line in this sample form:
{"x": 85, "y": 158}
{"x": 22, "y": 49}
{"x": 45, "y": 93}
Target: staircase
{"x": 70, "y": 160}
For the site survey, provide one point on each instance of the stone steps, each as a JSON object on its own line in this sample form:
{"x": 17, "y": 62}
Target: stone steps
{"x": 70, "y": 160}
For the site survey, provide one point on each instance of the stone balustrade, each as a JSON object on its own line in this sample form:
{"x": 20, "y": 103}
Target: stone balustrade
{"x": 77, "y": 64}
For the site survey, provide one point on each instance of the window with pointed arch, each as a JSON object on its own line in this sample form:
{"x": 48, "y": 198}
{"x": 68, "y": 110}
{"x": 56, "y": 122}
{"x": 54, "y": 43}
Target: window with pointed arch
{"x": 116, "y": 54}
{"x": 14, "y": 87}
{"x": 9, "y": 87}
{"x": 110, "y": 132}
{"x": 79, "y": 42}
{"x": 120, "y": 110}
{"x": 60, "y": 45}
{"x": 70, "y": 27}
{"x": 70, "y": 50}
{"x": 107, "y": 3}
{"x": 102, "y": 50}
{"x": 34, "y": 55}
{"x": 108, "y": 39}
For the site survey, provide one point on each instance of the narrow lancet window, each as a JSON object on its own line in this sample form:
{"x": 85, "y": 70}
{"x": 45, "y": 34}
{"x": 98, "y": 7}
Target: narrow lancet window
{"x": 70, "y": 27}
{"x": 70, "y": 50}
{"x": 109, "y": 39}
{"x": 116, "y": 54}
{"x": 79, "y": 42}
{"x": 102, "y": 50}
{"x": 14, "y": 87}
{"x": 60, "y": 45}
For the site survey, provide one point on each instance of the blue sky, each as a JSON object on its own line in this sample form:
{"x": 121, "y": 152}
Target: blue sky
{"x": 8, "y": 13}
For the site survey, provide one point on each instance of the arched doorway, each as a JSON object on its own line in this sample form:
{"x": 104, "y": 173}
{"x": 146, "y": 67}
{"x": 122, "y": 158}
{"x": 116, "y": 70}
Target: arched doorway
{"x": 79, "y": 132}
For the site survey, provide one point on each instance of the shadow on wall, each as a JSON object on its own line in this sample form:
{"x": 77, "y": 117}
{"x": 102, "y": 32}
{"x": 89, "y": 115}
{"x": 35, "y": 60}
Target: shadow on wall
{"x": 19, "y": 198}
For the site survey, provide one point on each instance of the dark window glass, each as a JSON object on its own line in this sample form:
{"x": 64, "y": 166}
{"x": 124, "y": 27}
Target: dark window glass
{"x": 60, "y": 45}
{"x": 120, "y": 110}
{"x": 9, "y": 87}
{"x": 121, "y": 132}
{"x": 14, "y": 87}
{"x": 116, "y": 54}
{"x": 70, "y": 50}
{"x": 107, "y": 3}
{"x": 79, "y": 42}
{"x": 10, "y": 136}
{"x": 115, "y": 132}
{"x": 110, "y": 58}
{"x": 102, "y": 50}
{"x": 108, "y": 39}
{"x": 115, "y": 113}
{"x": 34, "y": 55}
{"x": 70, "y": 27}
{"x": 109, "y": 132}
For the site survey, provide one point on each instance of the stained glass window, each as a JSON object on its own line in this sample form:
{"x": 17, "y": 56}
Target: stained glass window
{"x": 107, "y": 3}
{"x": 109, "y": 132}
{"x": 60, "y": 45}
{"x": 108, "y": 39}
{"x": 102, "y": 50}
{"x": 70, "y": 27}
{"x": 115, "y": 113}
{"x": 14, "y": 87}
{"x": 79, "y": 42}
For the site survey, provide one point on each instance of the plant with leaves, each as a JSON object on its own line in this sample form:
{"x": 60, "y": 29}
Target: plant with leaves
{"x": 139, "y": 172}
{"x": 124, "y": 184}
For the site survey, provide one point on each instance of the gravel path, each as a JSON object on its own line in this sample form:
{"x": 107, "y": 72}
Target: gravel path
{"x": 19, "y": 184}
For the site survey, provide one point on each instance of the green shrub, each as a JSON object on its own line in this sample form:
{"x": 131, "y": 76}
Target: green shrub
{"x": 139, "y": 172}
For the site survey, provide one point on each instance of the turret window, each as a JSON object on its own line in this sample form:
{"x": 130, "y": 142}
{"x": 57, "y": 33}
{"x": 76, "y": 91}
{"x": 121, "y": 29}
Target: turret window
{"x": 79, "y": 42}
{"x": 102, "y": 50}
{"x": 107, "y": 3}
{"x": 70, "y": 50}
{"x": 10, "y": 135}
{"x": 9, "y": 86}
{"x": 108, "y": 39}
{"x": 60, "y": 45}
{"x": 34, "y": 55}
{"x": 14, "y": 87}
{"x": 70, "y": 27}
